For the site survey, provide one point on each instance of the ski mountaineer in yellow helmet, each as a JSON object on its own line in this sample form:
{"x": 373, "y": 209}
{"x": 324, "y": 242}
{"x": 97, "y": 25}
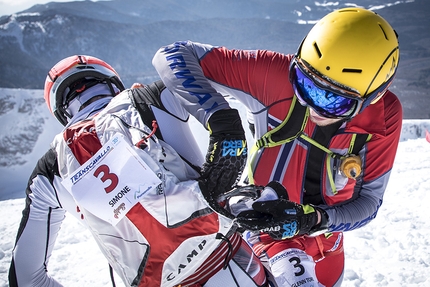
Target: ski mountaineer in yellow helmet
{"x": 325, "y": 126}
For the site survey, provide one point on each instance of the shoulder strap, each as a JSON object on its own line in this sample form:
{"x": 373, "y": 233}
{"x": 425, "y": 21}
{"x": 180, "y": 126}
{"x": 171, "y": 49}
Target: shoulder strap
{"x": 288, "y": 130}
{"x": 142, "y": 98}
{"x": 359, "y": 141}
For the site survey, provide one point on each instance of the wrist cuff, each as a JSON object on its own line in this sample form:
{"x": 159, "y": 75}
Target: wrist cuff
{"x": 322, "y": 227}
{"x": 225, "y": 122}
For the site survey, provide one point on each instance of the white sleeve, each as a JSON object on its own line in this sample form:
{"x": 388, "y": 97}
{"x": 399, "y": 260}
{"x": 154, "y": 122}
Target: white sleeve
{"x": 177, "y": 130}
{"x": 41, "y": 221}
{"x": 178, "y": 65}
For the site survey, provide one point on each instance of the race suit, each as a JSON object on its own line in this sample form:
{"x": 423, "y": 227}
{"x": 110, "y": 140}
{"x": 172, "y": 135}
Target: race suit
{"x": 136, "y": 195}
{"x": 288, "y": 145}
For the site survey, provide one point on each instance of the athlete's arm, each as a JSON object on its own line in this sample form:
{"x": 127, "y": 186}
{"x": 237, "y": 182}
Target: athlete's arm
{"x": 201, "y": 74}
{"x": 41, "y": 221}
{"x": 379, "y": 158}
{"x": 179, "y": 67}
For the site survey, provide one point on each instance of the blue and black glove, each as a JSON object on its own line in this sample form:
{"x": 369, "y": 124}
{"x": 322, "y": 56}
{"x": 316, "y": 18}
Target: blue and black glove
{"x": 226, "y": 156}
{"x": 281, "y": 218}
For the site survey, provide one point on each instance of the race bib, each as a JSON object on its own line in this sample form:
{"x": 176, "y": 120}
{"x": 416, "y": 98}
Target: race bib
{"x": 293, "y": 267}
{"x": 111, "y": 182}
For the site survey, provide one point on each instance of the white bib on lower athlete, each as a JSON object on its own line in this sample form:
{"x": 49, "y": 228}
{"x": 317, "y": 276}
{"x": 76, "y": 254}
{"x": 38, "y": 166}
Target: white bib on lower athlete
{"x": 111, "y": 182}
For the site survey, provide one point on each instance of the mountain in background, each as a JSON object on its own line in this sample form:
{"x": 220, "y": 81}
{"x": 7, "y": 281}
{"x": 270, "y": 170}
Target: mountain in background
{"x": 127, "y": 33}
{"x": 28, "y": 128}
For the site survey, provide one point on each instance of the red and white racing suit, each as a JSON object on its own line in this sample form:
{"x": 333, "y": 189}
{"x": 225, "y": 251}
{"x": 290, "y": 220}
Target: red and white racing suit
{"x": 201, "y": 75}
{"x": 141, "y": 204}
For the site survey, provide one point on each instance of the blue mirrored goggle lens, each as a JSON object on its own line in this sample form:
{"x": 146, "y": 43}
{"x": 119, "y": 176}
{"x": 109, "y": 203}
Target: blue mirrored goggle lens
{"x": 324, "y": 102}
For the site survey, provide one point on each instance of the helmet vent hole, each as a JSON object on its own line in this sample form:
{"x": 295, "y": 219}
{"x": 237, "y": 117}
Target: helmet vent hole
{"x": 317, "y": 50}
{"x": 383, "y": 31}
{"x": 346, "y": 70}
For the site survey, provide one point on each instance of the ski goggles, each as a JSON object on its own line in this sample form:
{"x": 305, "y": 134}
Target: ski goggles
{"x": 326, "y": 98}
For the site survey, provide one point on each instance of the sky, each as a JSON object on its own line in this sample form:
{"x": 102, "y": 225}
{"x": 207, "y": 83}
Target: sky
{"x": 8, "y": 7}
{"x": 393, "y": 250}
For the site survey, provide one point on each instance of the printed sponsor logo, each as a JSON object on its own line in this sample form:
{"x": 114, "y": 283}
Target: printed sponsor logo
{"x": 178, "y": 64}
{"x": 84, "y": 170}
{"x": 160, "y": 187}
{"x": 349, "y": 226}
{"x": 278, "y": 257}
{"x": 117, "y": 211}
{"x": 286, "y": 254}
{"x": 189, "y": 259}
{"x": 139, "y": 193}
{"x": 290, "y": 229}
{"x": 303, "y": 281}
{"x": 234, "y": 148}
{"x": 271, "y": 229}
{"x": 336, "y": 244}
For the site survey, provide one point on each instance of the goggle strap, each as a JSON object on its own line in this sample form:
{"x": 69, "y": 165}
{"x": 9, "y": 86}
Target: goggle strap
{"x": 378, "y": 92}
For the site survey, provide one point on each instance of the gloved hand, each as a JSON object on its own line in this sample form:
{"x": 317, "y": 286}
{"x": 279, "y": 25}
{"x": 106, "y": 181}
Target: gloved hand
{"x": 226, "y": 156}
{"x": 281, "y": 218}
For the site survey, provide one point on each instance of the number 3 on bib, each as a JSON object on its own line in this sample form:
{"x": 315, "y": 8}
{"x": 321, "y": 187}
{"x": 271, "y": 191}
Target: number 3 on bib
{"x": 110, "y": 183}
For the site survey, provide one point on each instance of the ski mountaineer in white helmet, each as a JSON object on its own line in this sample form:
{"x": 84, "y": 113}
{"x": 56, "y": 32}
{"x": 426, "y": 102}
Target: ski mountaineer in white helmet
{"x": 325, "y": 126}
{"x": 127, "y": 167}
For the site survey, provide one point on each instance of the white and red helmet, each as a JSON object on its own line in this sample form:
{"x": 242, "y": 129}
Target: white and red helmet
{"x": 71, "y": 76}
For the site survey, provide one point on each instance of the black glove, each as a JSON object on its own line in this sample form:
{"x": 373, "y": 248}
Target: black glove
{"x": 226, "y": 156}
{"x": 281, "y": 218}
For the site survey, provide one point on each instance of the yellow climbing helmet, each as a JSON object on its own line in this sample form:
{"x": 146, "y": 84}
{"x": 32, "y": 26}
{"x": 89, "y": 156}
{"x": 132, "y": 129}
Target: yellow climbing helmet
{"x": 354, "y": 47}
{"x": 347, "y": 61}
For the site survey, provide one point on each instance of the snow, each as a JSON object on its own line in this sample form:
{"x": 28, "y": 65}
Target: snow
{"x": 393, "y": 250}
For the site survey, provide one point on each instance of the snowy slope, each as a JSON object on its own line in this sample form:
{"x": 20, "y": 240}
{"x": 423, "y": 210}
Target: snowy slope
{"x": 393, "y": 250}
